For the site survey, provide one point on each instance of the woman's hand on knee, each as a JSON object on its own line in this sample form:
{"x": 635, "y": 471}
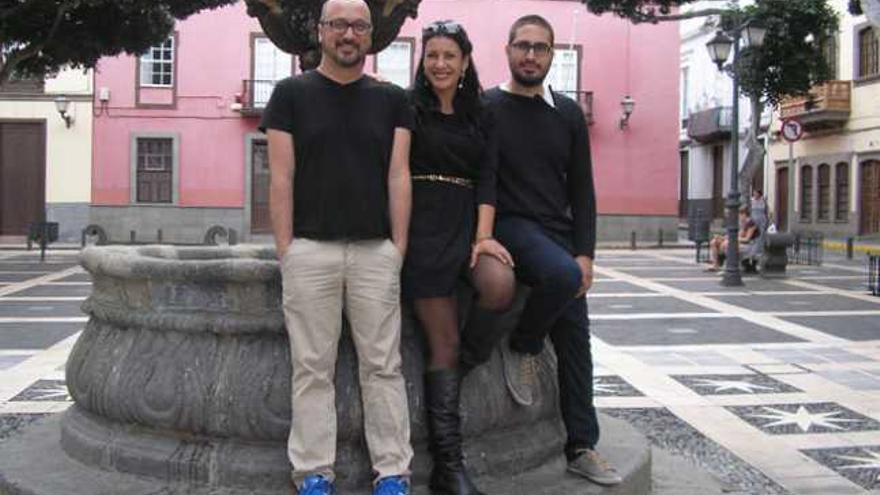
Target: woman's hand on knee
{"x": 490, "y": 247}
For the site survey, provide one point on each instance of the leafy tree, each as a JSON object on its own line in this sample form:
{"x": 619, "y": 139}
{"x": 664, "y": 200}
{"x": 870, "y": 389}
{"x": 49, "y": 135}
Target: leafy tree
{"x": 790, "y": 62}
{"x": 38, "y": 37}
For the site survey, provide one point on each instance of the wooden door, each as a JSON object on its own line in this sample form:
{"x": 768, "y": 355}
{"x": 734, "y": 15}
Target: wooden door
{"x": 260, "y": 221}
{"x": 781, "y": 216}
{"x": 870, "y": 198}
{"x": 22, "y": 176}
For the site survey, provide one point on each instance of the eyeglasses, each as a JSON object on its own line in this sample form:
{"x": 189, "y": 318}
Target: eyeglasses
{"x": 340, "y": 26}
{"x": 442, "y": 27}
{"x": 524, "y": 47}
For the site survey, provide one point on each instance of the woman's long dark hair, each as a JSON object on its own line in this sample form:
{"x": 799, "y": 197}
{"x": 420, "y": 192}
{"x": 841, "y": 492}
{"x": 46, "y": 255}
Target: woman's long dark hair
{"x": 467, "y": 97}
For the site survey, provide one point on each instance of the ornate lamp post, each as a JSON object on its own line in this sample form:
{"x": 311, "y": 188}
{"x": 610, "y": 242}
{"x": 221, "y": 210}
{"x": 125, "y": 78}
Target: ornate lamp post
{"x": 719, "y": 49}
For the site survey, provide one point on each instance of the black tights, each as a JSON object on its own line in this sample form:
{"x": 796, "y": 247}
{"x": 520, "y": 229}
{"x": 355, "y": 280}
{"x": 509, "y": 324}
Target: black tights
{"x": 495, "y": 285}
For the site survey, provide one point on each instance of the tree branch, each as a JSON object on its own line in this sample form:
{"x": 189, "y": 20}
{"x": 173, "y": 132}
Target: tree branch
{"x": 641, "y": 17}
{"x": 15, "y": 57}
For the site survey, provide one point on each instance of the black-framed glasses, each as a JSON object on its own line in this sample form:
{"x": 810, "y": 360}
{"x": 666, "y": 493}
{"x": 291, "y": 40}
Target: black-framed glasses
{"x": 541, "y": 49}
{"x": 340, "y": 26}
{"x": 442, "y": 27}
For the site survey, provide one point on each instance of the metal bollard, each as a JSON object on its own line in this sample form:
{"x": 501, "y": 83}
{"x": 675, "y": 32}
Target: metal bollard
{"x": 159, "y": 236}
{"x": 132, "y": 236}
{"x": 849, "y": 248}
{"x": 632, "y": 240}
{"x": 660, "y": 237}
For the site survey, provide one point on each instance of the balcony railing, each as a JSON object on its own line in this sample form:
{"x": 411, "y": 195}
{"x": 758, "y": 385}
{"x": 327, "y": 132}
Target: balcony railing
{"x": 826, "y": 107}
{"x": 708, "y": 126}
{"x": 255, "y": 95}
{"x": 585, "y": 100}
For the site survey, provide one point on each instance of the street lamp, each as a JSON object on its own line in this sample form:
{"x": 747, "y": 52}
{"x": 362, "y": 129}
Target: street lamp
{"x": 719, "y": 49}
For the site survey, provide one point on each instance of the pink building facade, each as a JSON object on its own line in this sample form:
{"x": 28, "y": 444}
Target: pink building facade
{"x": 176, "y": 147}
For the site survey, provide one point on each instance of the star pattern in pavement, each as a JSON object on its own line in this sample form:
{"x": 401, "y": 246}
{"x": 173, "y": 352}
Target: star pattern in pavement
{"x": 725, "y": 385}
{"x": 804, "y": 419}
{"x": 870, "y": 461}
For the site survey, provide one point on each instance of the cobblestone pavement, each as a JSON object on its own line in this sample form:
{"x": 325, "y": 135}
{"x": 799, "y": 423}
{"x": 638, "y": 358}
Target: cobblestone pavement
{"x": 773, "y": 387}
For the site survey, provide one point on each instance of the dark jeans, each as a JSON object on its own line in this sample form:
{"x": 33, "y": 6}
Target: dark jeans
{"x": 545, "y": 263}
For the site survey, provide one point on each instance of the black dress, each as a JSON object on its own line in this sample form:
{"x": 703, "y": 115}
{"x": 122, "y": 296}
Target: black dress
{"x": 443, "y": 213}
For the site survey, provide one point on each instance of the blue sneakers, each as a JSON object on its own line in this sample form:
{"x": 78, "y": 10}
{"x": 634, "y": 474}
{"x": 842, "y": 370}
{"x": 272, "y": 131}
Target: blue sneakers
{"x": 315, "y": 484}
{"x": 392, "y": 485}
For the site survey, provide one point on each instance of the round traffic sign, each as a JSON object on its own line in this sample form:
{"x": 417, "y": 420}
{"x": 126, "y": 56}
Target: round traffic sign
{"x": 792, "y": 130}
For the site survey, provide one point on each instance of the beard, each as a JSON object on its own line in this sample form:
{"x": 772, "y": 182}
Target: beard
{"x": 526, "y": 80}
{"x": 346, "y": 60}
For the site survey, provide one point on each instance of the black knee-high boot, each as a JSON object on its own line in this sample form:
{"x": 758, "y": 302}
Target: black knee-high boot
{"x": 448, "y": 476}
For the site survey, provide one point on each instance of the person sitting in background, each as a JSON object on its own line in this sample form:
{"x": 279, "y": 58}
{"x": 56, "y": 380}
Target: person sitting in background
{"x": 748, "y": 232}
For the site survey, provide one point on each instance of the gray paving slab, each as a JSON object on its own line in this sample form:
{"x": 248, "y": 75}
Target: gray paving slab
{"x": 674, "y": 331}
{"x": 34, "y": 267}
{"x": 7, "y": 362}
{"x": 751, "y": 284}
{"x": 33, "y": 309}
{"x": 35, "y": 335}
{"x": 800, "y": 302}
{"x": 859, "y": 285}
{"x": 635, "y": 305}
{"x": 684, "y": 272}
{"x": 55, "y": 291}
{"x": 851, "y": 327}
{"x": 614, "y": 386}
{"x": 76, "y": 277}
{"x": 815, "y": 355}
{"x": 854, "y": 379}
{"x": 19, "y": 277}
{"x": 608, "y": 286}
{"x": 11, "y": 424}
{"x": 44, "y": 391}
{"x": 682, "y": 358}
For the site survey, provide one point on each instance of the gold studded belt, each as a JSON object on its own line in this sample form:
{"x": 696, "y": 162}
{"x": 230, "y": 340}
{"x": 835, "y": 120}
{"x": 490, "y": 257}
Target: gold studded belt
{"x": 458, "y": 181}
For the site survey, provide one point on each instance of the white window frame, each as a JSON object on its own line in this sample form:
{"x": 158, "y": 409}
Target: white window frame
{"x": 154, "y": 55}
{"x": 402, "y": 74}
{"x": 565, "y": 58}
{"x": 281, "y": 65}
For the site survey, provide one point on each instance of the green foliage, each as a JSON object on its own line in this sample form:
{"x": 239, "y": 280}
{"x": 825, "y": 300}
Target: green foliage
{"x": 40, "y": 36}
{"x": 791, "y": 61}
{"x": 639, "y": 10}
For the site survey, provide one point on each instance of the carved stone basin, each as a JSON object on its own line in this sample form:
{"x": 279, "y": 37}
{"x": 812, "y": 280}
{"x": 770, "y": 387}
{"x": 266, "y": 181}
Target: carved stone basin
{"x": 183, "y": 375}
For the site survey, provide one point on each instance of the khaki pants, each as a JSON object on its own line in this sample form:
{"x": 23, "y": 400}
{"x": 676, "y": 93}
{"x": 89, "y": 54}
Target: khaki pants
{"x": 317, "y": 278}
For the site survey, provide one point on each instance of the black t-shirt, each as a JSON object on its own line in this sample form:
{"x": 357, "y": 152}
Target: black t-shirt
{"x": 545, "y": 169}
{"x": 343, "y": 135}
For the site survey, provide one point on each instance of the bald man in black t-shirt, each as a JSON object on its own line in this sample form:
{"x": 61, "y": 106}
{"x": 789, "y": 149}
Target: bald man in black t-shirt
{"x": 340, "y": 203}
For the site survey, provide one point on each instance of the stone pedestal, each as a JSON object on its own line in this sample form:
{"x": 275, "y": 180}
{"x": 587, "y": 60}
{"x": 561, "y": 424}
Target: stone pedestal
{"x": 181, "y": 379}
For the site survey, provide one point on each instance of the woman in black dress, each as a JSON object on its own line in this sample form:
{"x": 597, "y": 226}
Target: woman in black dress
{"x": 453, "y": 164}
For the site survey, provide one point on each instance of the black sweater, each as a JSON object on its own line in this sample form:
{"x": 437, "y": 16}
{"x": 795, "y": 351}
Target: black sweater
{"x": 545, "y": 170}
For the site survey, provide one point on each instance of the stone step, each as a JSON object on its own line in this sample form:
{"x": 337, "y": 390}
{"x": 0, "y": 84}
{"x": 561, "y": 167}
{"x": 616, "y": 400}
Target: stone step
{"x": 32, "y": 463}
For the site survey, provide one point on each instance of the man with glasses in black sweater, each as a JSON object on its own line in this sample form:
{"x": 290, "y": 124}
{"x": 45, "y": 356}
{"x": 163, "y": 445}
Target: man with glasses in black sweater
{"x": 547, "y": 220}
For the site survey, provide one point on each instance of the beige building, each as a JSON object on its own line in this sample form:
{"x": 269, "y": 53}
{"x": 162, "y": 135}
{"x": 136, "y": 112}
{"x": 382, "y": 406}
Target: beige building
{"x": 829, "y": 180}
{"x": 45, "y": 159}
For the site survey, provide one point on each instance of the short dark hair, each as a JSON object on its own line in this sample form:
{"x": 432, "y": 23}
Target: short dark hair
{"x": 529, "y": 20}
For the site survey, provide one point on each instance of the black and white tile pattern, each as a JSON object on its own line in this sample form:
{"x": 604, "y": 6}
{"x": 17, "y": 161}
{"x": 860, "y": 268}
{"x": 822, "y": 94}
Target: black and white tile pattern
{"x": 820, "y": 417}
{"x": 860, "y": 464}
{"x": 751, "y": 384}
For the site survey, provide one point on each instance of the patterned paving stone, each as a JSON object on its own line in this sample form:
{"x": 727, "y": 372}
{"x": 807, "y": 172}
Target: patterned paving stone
{"x": 7, "y": 362}
{"x": 820, "y": 417}
{"x": 616, "y": 287}
{"x": 861, "y": 464}
{"x": 854, "y": 379}
{"x": 614, "y": 386}
{"x": 668, "y": 431}
{"x": 55, "y": 291}
{"x": 675, "y": 358}
{"x": 18, "y": 277}
{"x": 44, "y": 391}
{"x": 751, "y": 384}
{"x": 76, "y": 277}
